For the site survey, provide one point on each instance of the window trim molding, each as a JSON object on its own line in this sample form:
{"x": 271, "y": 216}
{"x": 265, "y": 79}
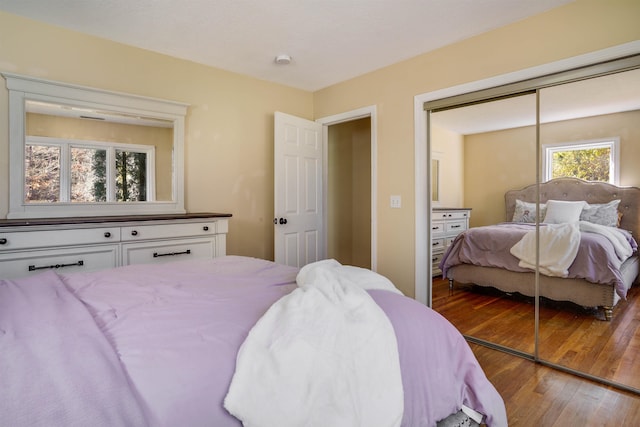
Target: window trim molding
{"x": 614, "y": 142}
{"x": 23, "y": 88}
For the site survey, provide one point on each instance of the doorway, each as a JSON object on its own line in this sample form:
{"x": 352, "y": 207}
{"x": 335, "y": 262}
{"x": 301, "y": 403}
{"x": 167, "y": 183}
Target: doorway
{"x": 349, "y": 192}
{"x": 350, "y": 183}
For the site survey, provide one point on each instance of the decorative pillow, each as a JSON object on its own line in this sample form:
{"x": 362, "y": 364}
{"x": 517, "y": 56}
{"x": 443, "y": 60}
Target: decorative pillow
{"x": 603, "y": 214}
{"x": 560, "y": 211}
{"x": 526, "y": 211}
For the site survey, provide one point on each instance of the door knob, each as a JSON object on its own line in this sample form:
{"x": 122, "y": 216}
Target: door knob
{"x": 280, "y": 221}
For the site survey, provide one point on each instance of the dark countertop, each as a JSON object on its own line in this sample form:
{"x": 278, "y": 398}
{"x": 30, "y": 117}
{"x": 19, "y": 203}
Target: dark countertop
{"x": 451, "y": 209}
{"x": 105, "y": 219}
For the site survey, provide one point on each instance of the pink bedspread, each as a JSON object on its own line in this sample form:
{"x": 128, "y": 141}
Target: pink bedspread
{"x": 157, "y": 345}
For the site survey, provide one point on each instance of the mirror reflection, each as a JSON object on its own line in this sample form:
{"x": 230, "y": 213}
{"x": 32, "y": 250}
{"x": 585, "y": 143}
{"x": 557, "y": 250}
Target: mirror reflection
{"x": 588, "y": 146}
{"x": 498, "y": 144}
{"x": 83, "y": 155}
{"x": 595, "y": 135}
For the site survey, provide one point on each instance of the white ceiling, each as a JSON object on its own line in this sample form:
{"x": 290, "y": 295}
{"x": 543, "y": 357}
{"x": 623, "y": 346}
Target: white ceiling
{"x": 601, "y": 95}
{"x": 329, "y": 40}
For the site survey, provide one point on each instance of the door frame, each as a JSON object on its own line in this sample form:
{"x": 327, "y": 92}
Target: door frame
{"x": 422, "y": 146}
{"x": 348, "y": 116}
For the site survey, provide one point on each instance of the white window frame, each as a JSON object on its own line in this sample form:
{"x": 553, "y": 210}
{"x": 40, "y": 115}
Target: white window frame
{"x": 28, "y": 88}
{"x": 110, "y": 147}
{"x": 612, "y": 143}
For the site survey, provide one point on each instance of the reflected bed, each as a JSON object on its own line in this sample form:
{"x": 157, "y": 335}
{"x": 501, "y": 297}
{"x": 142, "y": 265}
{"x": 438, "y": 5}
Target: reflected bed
{"x": 594, "y": 279}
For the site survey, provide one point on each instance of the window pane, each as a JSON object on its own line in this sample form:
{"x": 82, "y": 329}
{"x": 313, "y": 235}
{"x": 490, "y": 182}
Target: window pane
{"x": 42, "y": 174}
{"x": 88, "y": 175}
{"x": 131, "y": 176}
{"x": 591, "y": 164}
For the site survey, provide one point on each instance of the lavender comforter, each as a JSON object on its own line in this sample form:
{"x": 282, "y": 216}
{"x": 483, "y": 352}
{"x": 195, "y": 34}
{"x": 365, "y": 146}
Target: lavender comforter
{"x": 156, "y": 345}
{"x": 489, "y": 246}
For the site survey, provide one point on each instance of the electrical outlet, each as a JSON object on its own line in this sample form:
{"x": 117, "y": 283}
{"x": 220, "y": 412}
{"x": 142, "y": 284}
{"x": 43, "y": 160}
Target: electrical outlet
{"x": 396, "y": 202}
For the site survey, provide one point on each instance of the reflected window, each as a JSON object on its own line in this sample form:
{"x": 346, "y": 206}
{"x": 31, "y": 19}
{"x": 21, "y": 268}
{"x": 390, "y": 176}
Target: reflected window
{"x": 590, "y": 161}
{"x": 42, "y": 173}
{"x": 131, "y": 176}
{"x": 86, "y": 172}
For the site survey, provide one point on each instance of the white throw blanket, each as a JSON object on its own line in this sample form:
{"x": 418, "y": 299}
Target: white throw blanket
{"x": 324, "y": 355}
{"x": 559, "y": 245}
{"x": 558, "y": 248}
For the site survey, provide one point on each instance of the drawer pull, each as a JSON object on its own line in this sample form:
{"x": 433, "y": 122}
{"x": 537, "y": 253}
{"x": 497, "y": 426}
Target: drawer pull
{"x": 205, "y": 228}
{"x": 107, "y": 234}
{"x": 187, "y": 252}
{"x": 134, "y": 232}
{"x": 435, "y": 243}
{"x": 3, "y": 241}
{"x": 34, "y": 268}
{"x": 456, "y": 226}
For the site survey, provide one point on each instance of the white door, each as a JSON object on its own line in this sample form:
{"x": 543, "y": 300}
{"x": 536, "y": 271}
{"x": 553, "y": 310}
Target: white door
{"x": 298, "y": 222}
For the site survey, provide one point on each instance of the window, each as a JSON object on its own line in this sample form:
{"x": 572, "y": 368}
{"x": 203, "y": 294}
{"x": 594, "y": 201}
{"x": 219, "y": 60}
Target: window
{"x": 58, "y": 170}
{"x": 596, "y": 160}
{"x": 124, "y": 118}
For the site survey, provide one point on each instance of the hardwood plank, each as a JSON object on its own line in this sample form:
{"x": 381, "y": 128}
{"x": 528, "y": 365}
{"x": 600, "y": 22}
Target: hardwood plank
{"x": 570, "y": 335}
{"x": 536, "y": 395}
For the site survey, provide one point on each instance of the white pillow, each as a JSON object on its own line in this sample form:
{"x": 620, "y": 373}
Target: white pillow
{"x": 560, "y": 211}
{"x": 604, "y": 214}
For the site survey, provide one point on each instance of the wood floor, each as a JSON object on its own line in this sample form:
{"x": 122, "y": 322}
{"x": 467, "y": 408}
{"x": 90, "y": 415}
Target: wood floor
{"x": 536, "y": 395}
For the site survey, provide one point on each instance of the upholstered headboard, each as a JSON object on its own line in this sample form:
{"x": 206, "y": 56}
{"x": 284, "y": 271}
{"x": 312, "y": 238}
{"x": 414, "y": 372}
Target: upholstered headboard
{"x": 573, "y": 189}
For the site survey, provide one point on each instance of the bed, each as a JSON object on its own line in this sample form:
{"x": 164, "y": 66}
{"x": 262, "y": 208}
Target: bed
{"x": 585, "y": 283}
{"x": 190, "y": 342}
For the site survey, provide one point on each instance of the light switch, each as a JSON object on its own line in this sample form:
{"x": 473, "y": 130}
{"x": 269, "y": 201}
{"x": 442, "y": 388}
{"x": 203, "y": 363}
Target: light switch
{"x": 396, "y": 202}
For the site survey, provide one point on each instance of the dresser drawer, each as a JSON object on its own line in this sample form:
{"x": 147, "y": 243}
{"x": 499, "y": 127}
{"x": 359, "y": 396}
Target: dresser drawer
{"x": 437, "y": 227}
{"x": 53, "y": 238}
{"x": 67, "y": 260}
{"x": 450, "y": 215}
{"x": 437, "y": 244}
{"x": 168, "y": 231}
{"x": 174, "y": 250}
{"x": 449, "y": 241}
{"x": 435, "y": 262}
{"x": 455, "y": 226}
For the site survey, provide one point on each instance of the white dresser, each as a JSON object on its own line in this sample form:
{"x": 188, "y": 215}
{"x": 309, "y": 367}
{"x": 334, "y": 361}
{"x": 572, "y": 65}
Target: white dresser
{"x": 90, "y": 244}
{"x": 446, "y": 224}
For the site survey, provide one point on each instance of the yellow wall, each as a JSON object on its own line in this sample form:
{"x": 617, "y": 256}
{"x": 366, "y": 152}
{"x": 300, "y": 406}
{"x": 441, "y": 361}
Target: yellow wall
{"x": 447, "y": 147}
{"x": 506, "y": 160}
{"x": 580, "y": 27}
{"x": 230, "y": 115}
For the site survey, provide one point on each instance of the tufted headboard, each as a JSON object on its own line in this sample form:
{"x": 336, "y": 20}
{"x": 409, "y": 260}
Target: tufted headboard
{"x": 573, "y": 189}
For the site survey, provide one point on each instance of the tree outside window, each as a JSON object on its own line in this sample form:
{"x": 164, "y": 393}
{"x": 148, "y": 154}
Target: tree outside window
{"x": 587, "y": 160}
{"x": 86, "y": 172}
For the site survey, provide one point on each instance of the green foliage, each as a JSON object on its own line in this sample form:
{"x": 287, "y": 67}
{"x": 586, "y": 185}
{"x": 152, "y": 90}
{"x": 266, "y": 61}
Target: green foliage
{"x": 99, "y": 166}
{"x": 131, "y": 176}
{"x": 589, "y": 164}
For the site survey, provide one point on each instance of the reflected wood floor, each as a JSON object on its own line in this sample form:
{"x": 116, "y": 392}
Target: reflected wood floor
{"x": 571, "y": 336}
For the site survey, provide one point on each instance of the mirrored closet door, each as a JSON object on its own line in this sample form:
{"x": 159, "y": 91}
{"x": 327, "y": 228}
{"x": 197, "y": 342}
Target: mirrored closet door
{"x": 496, "y": 144}
{"x": 591, "y": 128}
{"x": 535, "y": 154}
